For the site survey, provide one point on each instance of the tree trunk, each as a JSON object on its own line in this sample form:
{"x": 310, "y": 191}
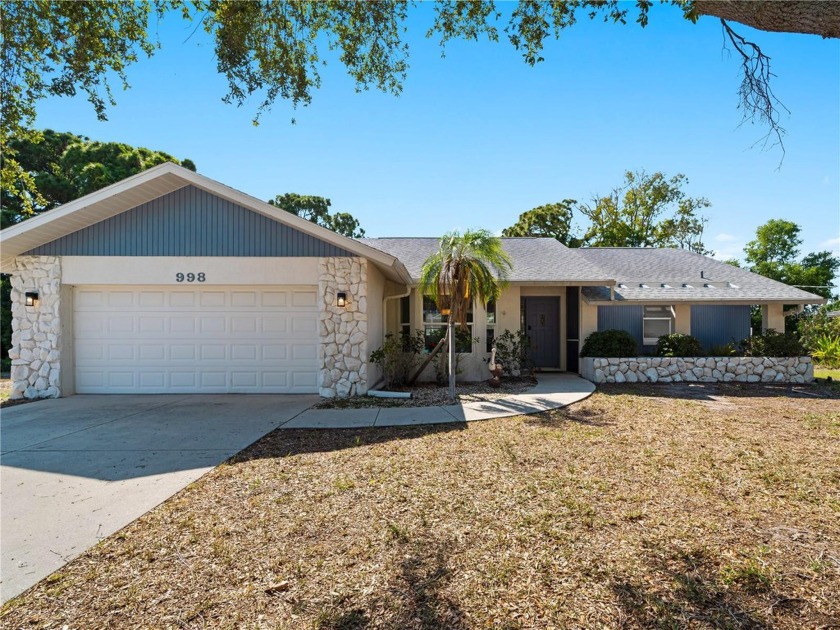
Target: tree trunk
{"x": 800, "y": 16}
{"x": 429, "y": 358}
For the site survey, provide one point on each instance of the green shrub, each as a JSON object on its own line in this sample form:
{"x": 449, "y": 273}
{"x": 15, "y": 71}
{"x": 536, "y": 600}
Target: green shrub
{"x": 609, "y": 343}
{"x": 826, "y": 350}
{"x": 512, "y": 353}
{"x": 772, "y": 344}
{"x": 813, "y": 324}
{"x": 399, "y": 356}
{"x": 679, "y": 345}
{"x": 723, "y": 350}
{"x": 820, "y": 334}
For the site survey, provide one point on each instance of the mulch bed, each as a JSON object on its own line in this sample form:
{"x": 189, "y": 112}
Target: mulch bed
{"x": 639, "y": 507}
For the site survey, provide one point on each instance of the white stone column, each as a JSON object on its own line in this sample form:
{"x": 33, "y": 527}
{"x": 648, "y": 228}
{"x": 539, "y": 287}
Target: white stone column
{"x": 343, "y": 331}
{"x": 36, "y": 330}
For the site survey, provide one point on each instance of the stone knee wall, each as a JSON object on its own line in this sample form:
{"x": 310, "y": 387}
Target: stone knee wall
{"x": 36, "y": 330}
{"x": 343, "y": 331}
{"x": 702, "y": 369}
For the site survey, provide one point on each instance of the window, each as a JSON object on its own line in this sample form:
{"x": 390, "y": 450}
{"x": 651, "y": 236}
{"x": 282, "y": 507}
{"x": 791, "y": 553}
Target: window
{"x": 658, "y": 321}
{"x": 491, "y": 325}
{"x": 405, "y": 315}
{"x": 434, "y": 325}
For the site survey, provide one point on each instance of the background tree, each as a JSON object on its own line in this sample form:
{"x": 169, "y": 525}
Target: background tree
{"x": 64, "y": 167}
{"x": 270, "y": 50}
{"x": 553, "y": 220}
{"x": 317, "y": 210}
{"x": 466, "y": 267}
{"x": 647, "y": 211}
{"x": 774, "y": 253}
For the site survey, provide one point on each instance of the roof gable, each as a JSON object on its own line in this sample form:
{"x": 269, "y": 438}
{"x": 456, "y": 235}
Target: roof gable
{"x": 151, "y": 184}
{"x": 189, "y": 222}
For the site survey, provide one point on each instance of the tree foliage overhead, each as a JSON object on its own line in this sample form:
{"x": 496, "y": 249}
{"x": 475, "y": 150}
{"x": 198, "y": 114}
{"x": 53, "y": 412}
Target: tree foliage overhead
{"x": 64, "y": 166}
{"x": 774, "y": 253}
{"x": 317, "y": 210}
{"x": 268, "y": 49}
{"x": 553, "y": 220}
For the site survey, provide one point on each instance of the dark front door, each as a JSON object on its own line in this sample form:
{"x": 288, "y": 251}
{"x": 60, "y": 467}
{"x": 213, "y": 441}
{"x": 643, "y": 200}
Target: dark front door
{"x": 542, "y": 324}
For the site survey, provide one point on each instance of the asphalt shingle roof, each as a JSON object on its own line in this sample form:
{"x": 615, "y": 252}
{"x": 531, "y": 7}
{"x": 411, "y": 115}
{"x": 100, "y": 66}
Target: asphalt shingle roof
{"x": 534, "y": 259}
{"x": 669, "y": 275}
{"x": 680, "y": 271}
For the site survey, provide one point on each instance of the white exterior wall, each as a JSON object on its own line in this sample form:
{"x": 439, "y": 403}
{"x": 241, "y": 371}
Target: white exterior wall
{"x": 376, "y": 284}
{"x": 161, "y": 270}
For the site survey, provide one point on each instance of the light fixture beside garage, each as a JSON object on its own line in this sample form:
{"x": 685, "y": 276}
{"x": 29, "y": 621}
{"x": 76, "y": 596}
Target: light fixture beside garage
{"x": 341, "y": 299}
{"x": 31, "y": 298}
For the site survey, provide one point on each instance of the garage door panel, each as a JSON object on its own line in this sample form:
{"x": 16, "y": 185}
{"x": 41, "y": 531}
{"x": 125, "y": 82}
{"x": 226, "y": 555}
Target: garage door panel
{"x": 202, "y": 340}
{"x": 304, "y": 298}
{"x": 213, "y": 298}
{"x": 182, "y": 352}
{"x": 148, "y": 299}
{"x": 181, "y": 299}
{"x": 244, "y": 298}
{"x": 273, "y": 298}
{"x": 120, "y": 352}
{"x": 120, "y": 299}
{"x": 119, "y": 324}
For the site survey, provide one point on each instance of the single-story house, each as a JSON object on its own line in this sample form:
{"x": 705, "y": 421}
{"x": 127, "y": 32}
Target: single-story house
{"x": 170, "y": 282}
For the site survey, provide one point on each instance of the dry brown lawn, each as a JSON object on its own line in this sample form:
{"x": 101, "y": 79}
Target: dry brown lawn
{"x": 709, "y": 506}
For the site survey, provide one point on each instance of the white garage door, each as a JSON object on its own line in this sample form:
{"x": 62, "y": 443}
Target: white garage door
{"x": 195, "y": 340}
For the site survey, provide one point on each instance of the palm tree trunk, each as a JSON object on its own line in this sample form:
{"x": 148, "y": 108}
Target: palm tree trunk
{"x": 429, "y": 358}
{"x": 449, "y": 333}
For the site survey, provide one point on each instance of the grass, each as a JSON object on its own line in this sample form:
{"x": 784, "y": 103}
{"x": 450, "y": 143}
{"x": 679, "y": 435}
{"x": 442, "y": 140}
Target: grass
{"x": 697, "y": 506}
{"x": 823, "y": 372}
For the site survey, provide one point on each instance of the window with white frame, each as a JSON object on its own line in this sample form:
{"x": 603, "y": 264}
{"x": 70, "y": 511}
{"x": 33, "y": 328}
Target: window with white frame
{"x": 434, "y": 325}
{"x": 658, "y": 321}
{"x": 491, "y": 325}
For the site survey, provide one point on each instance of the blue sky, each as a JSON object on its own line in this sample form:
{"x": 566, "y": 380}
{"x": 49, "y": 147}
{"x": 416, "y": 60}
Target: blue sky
{"x": 478, "y": 137}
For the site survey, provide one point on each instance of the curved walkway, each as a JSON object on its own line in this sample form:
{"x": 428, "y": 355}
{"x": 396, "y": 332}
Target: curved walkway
{"x": 553, "y": 390}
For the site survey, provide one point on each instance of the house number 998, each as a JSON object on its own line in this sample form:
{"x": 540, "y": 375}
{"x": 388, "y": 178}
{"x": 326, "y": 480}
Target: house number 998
{"x": 189, "y": 277}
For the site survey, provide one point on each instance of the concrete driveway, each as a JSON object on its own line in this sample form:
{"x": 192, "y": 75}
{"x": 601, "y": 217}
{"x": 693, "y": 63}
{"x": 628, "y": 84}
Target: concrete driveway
{"x": 75, "y": 470}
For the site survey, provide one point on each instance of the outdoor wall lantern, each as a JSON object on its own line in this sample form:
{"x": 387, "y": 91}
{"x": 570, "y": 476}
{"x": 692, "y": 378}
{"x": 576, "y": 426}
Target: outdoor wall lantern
{"x": 341, "y": 299}
{"x": 31, "y": 299}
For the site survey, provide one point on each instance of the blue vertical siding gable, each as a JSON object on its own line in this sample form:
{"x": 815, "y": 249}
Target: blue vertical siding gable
{"x": 189, "y": 222}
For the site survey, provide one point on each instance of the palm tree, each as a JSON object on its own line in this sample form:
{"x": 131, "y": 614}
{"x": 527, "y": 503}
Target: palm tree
{"x": 466, "y": 266}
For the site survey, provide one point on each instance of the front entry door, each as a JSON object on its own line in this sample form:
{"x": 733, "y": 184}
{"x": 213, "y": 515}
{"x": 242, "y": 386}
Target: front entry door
{"x": 542, "y": 324}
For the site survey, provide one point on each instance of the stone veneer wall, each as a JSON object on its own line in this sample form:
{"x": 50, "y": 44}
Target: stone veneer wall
{"x": 343, "y": 332}
{"x": 703, "y": 369}
{"x": 36, "y": 330}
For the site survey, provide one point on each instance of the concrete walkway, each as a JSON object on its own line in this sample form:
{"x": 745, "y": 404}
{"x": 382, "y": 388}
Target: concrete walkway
{"x": 553, "y": 390}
